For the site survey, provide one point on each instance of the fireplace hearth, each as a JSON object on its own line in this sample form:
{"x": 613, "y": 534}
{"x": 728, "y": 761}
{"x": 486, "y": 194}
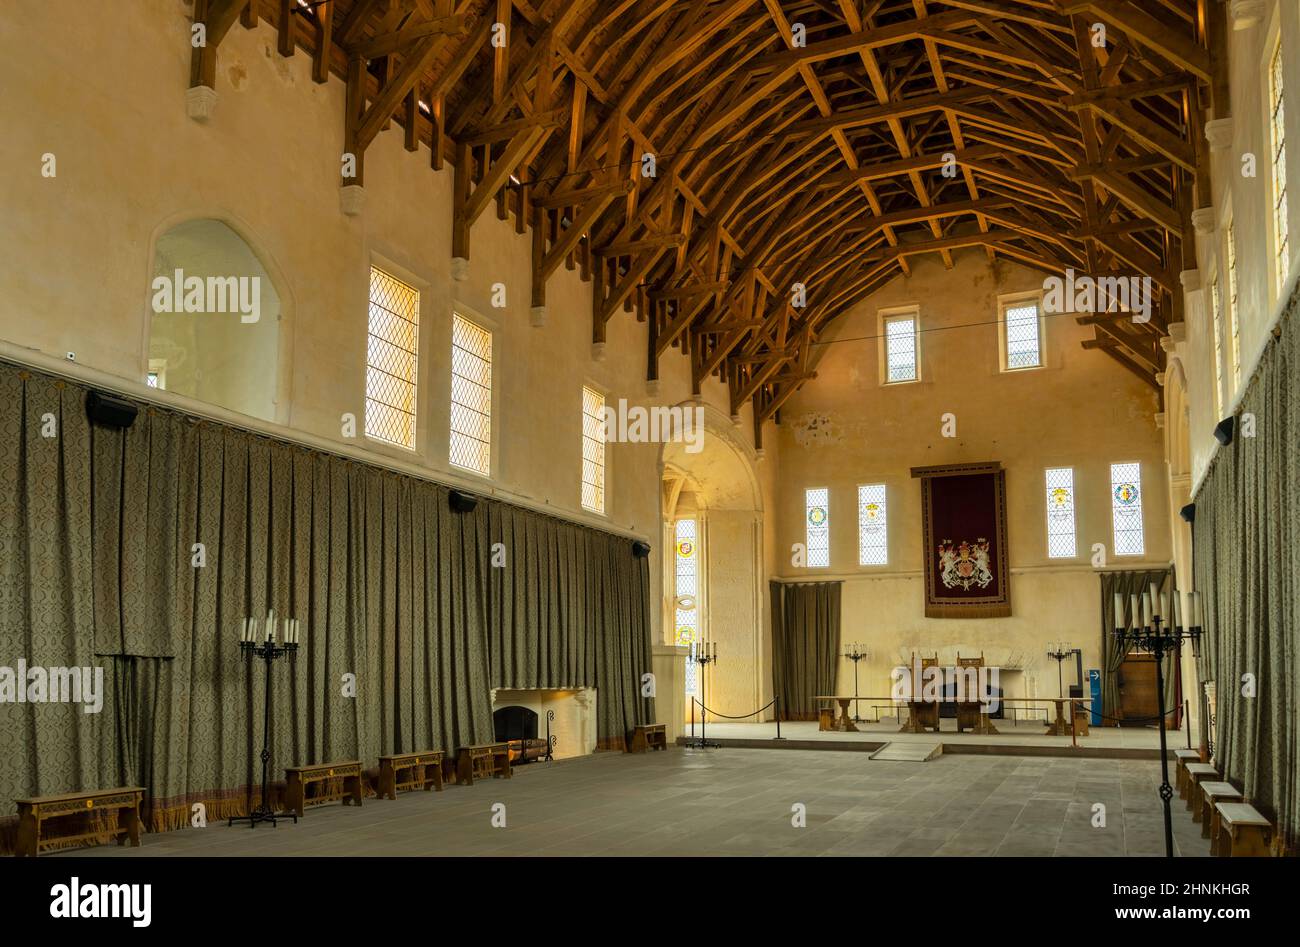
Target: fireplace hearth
{"x": 516, "y": 727}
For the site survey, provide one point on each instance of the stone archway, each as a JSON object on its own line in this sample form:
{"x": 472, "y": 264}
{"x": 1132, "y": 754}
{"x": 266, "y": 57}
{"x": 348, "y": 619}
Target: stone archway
{"x": 717, "y": 485}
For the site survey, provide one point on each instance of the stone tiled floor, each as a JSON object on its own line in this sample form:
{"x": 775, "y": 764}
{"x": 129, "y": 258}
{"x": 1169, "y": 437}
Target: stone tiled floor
{"x": 739, "y": 802}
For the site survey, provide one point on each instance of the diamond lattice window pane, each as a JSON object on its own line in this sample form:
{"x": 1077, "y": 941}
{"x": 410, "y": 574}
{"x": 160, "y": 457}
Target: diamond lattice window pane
{"x": 1277, "y": 133}
{"x": 1234, "y": 321}
{"x": 817, "y": 512}
{"x": 1023, "y": 344}
{"x": 1126, "y": 509}
{"x": 391, "y": 359}
{"x": 470, "y": 444}
{"x": 873, "y": 545}
{"x": 900, "y": 349}
{"x": 1060, "y": 513}
{"x": 593, "y": 450}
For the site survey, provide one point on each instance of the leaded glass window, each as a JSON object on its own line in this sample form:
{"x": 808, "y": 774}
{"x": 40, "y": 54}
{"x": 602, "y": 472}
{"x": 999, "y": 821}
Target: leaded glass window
{"x": 593, "y": 450}
{"x": 873, "y": 535}
{"x": 1216, "y": 328}
{"x": 1020, "y": 324}
{"x": 817, "y": 515}
{"x": 393, "y": 328}
{"x": 1060, "y": 513}
{"x": 1234, "y": 317}
{"x": 686, "y": 592}
{"x": 900, "y": 348}
{"x": 1277, "y": 134}
{"x": 1126, "y": 509}
{"x": 470, "y": 446}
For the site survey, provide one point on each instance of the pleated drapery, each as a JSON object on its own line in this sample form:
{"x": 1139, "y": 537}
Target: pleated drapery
{"x": 805, "y": 645}
{"x": 143, "y": 550}
{"x": 1248, "y": 570}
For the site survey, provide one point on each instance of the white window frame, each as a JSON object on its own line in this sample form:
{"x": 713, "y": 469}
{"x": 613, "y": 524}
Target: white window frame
{"x": 884, "y": 504}
{"x": 896, "y": 314}
{"x": 1074, "y": 514}
{"x": 405, "y": 277}
{"x": 603, "y": 509}
{"x": 1233, "y": 301}
{"x": 808, "y": 527}
{"x": 1142, "y": 531}
{"x": 1015, "y": 301}
{"x": 158, "y": 368}
{"x": 1215, "y": 289}
{"x": 1279, "y": 216}
{"x": 472, "y": 317}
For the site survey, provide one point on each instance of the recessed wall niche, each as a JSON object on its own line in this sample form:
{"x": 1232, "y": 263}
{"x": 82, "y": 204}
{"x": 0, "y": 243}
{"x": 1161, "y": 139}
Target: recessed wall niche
{"x": 214, "y": 320}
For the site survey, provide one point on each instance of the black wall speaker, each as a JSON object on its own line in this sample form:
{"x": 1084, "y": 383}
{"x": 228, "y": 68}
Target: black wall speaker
{"x": 1188, "y": 513}
{"x": 640, "y": 549}
{"x": 461, "y": 502}
{"x": 109, "y": 410}
{"x": 1223, "y": 431}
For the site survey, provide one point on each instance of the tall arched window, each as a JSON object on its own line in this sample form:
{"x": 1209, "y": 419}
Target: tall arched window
{"x": 686, "y": 596}
{"x": 214, "y": 329}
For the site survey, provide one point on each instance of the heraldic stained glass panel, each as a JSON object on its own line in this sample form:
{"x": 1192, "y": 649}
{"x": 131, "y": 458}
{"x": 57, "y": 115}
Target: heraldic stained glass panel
{"x": 686, "y": 612}
{"x": 873, "y": 537}
{"x": 1060, "y": 513}
{"x": 1126, "y": 509}
{"x": 819, "y": 527}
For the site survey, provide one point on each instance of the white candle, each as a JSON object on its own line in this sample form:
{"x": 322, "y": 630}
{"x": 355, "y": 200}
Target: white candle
{"x": 1146, "y": 609}
{"x": 1155, "y": 600}
{"x": 1134, "y": 612}
{"x": 270, "y": 626}
{"x": 1119, "y": 610}
{"x": 1178, "y": 609}
{"x": 243, "y": 635}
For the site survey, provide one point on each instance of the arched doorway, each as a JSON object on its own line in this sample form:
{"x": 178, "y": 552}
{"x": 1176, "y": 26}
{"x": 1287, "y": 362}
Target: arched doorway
{"x": 714, "y": 574}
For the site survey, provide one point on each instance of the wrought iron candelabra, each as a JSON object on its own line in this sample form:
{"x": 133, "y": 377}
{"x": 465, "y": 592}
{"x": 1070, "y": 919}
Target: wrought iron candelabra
{"x": 855, "y": 654}
{"x": 1160, "y": 636}
{"x": 704, "y": 657}
{"x": 252, "y": 644}
{"x": 1060, "y": 650}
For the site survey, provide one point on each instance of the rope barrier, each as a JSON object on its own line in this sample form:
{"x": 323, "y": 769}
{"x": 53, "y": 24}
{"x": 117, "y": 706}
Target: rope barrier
{"x": 729, "y": 716}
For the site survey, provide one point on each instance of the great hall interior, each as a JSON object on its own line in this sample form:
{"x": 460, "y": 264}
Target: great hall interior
{"x": 649, "y": 427}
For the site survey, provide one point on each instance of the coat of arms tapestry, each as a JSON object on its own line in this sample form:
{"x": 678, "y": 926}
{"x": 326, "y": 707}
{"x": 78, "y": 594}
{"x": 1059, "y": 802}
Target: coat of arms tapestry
{"x": 964, "y": 535}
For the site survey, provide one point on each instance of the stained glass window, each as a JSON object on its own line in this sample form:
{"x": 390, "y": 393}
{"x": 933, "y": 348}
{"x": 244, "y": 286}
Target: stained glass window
{"x": 1126, "y": 509}
{"x": 1277, "y": 130}
{"x": 470, "y": 446}
{"x": 393, "y": 328}
{"x": 1216, "y": 328}
{"x": 819, "y": 527}
{"x": 873, "y": 536}
{"x": 1020, "y": 325}
{"x": 1234, "y": 320}
{"x": 593, "y": 450}
{"x": 686, "y": 591}
{"x": 1060, "y": 513}
{"x": 900, "y": 348}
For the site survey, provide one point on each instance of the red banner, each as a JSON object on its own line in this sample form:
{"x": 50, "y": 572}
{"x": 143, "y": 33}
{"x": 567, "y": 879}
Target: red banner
{"x": 964, "y": 535}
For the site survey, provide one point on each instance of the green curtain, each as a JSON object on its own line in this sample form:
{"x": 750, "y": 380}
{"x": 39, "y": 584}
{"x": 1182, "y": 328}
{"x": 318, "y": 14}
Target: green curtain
{"x": 1248, "y": 570}
{"x": 142, "y": 551}
{"x": 805, "y": 645}
{"x": 1127, "y": 584}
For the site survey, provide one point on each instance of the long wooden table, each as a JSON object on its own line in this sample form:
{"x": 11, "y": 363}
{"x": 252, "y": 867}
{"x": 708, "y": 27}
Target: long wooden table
{"x": 845, "y": 722}
{"x": 35, "y": 812}
{"x": 919, "y": 709}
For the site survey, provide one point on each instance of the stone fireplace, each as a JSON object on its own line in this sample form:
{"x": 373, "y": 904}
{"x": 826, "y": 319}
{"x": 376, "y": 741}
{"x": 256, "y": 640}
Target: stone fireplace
{"x": 574, "y": 725}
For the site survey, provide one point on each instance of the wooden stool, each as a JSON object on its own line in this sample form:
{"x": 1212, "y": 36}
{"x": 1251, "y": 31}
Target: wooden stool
{"x": 35, "y": 812}
{"x": 1243, "y": 833}
{"x": 649, "y": 736}
{"x": 425, "y": 767}
{"x": 298, "y": 778}
{"x": 826, "y": 719}
{"x": 483, "y": 760}
{"x": 1197, "y": 773}
{"x": 1185, "y": 757}
{"x": 1212, "y": 793}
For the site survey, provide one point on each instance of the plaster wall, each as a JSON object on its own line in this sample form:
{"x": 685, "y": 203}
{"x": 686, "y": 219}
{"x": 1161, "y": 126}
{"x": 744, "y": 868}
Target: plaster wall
{"x": 1080, "y": 410}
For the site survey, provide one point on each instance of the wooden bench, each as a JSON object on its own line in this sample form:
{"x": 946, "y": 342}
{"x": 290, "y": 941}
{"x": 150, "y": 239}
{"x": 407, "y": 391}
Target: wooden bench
{"x": 483, "y": 761}
{"x": 1243, "y": 832}
{"x": 35, "y": 812}
{"x": 1196, "y": 774}
{"x": 425, "y": 771}
{"x": 299, "y": 778}
{"x": 1185, "y": 757}
{"x": 649, "y": 736}
{"x": 1212, "y": 793}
